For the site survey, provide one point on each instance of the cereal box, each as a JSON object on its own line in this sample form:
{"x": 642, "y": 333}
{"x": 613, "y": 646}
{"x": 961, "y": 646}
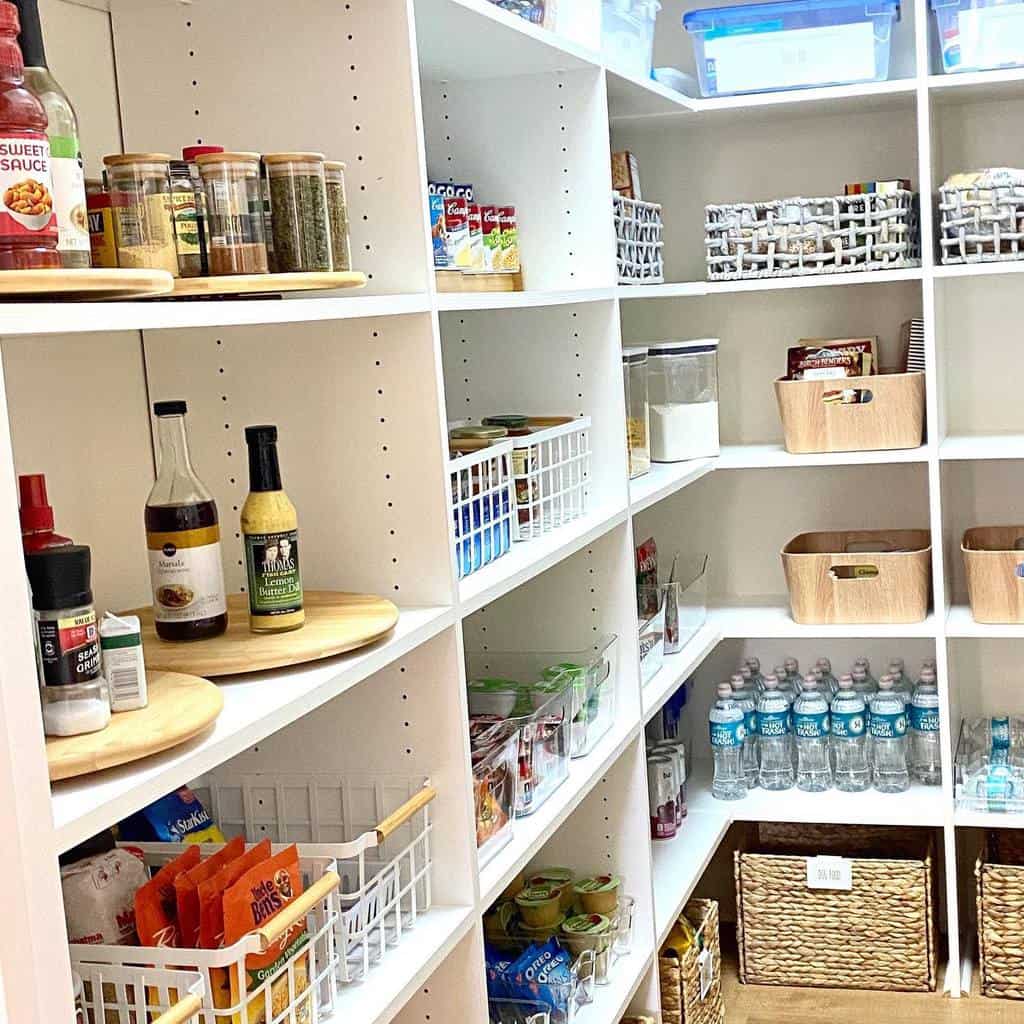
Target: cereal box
{"x": 437, "y": 239}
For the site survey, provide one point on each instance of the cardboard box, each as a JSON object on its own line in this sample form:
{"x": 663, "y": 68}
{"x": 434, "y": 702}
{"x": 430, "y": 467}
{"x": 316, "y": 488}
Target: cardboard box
{"x": 626, "y": 175}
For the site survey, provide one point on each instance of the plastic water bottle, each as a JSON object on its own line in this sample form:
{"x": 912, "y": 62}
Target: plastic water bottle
{"x": 901, "y": 682}
{"x": 754, "y": 664}
{"x": 849, "y": 738}
{"x": 810, "y": 730}
{"x": 889, "y": 739}
{"x": 754, "y": 681}
{"x": 725, "y": 722}
{"x": 792, "y": 667}
{"x": 773, "y": 738}
{"x": 744, "y": 696}
{"x": 867, "y": 688}
{"x": 925, "y": 761}
{"x": 828, "y": 681}
{"x": 996, "y": 788}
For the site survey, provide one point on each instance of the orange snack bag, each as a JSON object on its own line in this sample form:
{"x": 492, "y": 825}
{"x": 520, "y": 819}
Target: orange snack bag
{"x": 186, "y": 890}
{"x": 250, "y": 903}
{"x": 211, "y": 914}
{"x": 156, "y": 910}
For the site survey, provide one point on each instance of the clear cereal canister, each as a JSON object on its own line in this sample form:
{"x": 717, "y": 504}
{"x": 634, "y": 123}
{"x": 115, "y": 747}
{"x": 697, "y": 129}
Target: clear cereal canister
{"x": 682, "y": 384}
{"x": 298, "y": 212}
{"x": 234, "y": 211}
{"x": 143, "y": 213}
{"x": 638, "y": 422}
{"x": 337, "y": 209}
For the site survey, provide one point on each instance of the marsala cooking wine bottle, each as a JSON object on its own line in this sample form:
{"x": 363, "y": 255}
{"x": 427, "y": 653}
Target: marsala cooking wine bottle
{"x": 183, "y": 537}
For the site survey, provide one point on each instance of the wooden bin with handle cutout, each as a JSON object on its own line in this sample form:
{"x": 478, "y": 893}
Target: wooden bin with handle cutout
{"x": 888, "y": 416}
{"x": 994, "y": 564}
{"x": 859, "y": 576}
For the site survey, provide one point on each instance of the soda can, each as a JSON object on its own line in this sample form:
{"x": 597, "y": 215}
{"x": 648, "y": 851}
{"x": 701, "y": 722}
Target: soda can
{"x": 663, "y": 790}
{"x": 676, "y": 749}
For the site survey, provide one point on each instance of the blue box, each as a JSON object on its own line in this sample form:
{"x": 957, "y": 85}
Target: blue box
{"x": 437, "y": 237}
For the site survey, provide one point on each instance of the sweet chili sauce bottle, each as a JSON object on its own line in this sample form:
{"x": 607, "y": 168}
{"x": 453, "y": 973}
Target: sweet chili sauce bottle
{"x": 28, "y": 223}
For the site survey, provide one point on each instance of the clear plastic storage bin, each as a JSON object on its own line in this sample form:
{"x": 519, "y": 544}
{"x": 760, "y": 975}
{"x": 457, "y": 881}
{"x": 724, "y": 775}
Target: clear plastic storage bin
{"x": 651, "y": 602}
{"x": 682, "y": 387}
{"x": 638, "y": 419}
{"x": 990, "y": 765}
{"x": 627, "y": 35}
{"x": 977, "y": 35}
{"x": 494, "y": 795}
{"x": 796, "y": 44}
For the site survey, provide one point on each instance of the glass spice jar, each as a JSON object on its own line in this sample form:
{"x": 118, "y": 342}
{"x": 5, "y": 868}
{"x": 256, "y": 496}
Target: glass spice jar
{"x": 234, "y": 204}
{"x": 337, "y": 209}
{"x": 298, "y": 212}
{"x": 187, "y": 223}
{"x": 140, "y": 198}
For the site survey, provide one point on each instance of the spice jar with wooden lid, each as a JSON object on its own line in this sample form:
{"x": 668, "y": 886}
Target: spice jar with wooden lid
{"x": 140, "y": 200}
{"x": 298, "y": 212}
{"x": 234, "y": 205}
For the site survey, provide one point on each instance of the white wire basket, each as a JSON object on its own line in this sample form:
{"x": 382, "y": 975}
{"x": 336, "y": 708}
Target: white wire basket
{"x": 376, "y": 827}
{"x": 483, "y": 506}
{"x": 551, "y": 473}
{"x": 639, "y": 249}
{"x": 981, "y": 224}
{"x": 299, "y": 990}
{"x": 795, "y": 237}
{"x": 128, "y": 995}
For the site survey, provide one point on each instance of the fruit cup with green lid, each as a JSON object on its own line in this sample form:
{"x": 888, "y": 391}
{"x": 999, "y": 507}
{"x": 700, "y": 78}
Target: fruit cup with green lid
{"x": 598, "y": 894}
{"x": 539, "y": 905}
{"x": 557, "y": 878}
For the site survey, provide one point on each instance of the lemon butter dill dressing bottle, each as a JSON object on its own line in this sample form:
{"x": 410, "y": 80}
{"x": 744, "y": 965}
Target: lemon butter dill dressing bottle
{"x": 270, "y": 536}
{"x": 183, "y": 538}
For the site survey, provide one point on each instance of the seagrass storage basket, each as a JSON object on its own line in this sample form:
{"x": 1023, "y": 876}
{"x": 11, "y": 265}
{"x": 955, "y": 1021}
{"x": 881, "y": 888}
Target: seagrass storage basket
{"x": 796, "y": 236}
{"x": 1000, "y": 893}
{"x": 859, "y": 576}
{"x": 981, "y": 224}
{"x": 994, "y": 565}
{"x": 818, "y": 417}
{"x": 680, "y": 978}
{"x": 638, "y": 239}
{"x": 878, "y": 934}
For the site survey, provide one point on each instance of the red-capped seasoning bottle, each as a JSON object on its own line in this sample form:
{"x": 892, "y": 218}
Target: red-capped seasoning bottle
{"x": 28, "y": 223}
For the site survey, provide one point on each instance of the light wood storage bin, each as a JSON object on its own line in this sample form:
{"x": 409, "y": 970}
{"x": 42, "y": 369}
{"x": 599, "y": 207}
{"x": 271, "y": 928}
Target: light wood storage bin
{"x": 893, "y": 418}
{"x": 879, "y": 934}
{"x": 831, "y": 577}
{"x": 1000, "y": 894}
{"x": 994, "y": 564}
{"x": 681, "y": 1001}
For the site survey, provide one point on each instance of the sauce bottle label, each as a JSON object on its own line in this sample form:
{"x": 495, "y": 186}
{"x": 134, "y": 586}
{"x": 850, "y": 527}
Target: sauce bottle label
{"x": 69, "y": 194}
{"x": 272, "y": 565}
{"x": 69, "y": 649}
{"x": 187, "y": 574}
{"x": 26, "y": 186}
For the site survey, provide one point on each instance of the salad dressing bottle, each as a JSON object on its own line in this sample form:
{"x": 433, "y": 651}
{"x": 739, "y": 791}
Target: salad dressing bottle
{"x": 271, "y": 539}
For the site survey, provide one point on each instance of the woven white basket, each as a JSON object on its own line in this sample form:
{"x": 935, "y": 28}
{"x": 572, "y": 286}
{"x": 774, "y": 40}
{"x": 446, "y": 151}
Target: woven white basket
{"x": 981, "y": 225}
{"x": 794, "y": 237}
{"x": 639, "y": 248}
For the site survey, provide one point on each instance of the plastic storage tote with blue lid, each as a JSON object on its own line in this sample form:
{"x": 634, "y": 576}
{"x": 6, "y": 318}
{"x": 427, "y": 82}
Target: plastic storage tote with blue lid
{"x": 978, "y": 35}
{"x": 796, "y": 44}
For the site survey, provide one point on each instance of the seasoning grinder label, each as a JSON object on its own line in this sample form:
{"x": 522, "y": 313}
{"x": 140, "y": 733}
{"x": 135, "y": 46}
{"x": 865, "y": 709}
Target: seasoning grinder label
{"x": 69, "y": 649}
{"x": 187, "y": 574}
{"x": 26, "y": 186}
{"x": 272, "y": 564}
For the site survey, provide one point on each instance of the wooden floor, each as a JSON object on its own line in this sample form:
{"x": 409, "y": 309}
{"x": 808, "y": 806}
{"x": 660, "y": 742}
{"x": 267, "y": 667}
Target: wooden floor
{"x": 766, "y": 1004}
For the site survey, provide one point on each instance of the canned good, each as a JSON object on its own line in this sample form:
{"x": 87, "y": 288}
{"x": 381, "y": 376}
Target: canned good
{"x": 662, "y": 791}
{"x": 676, "y": 749}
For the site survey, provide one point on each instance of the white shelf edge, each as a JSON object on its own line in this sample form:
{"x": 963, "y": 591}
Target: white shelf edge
{"x": 460, "y": 301}
{"x": 389, "y": 985}
{"x": 530, "y": 558}
{"x": 769, "y": 618}
{"x": 799, "y": 97}
{"x": 529, "y": 834}
{"x": 664, "y": 479}
{"x": 775, "y": 456}
{"x": 967, "y": 447}
{"x": 612, "y": 1000}
{"x": 677, "y": 668}
{"x": 990, "y": 268}
{"x": 986, "y": 819}
{"x": 252, "y": 711}
{"x": 960, "y": 624}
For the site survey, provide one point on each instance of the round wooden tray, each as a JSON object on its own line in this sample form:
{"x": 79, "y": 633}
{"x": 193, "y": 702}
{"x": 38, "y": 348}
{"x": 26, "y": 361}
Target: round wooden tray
{"x": 242, "y": 284}
{"x": 180, "y": 707}
{"x": 335, "y": 623}
{"x": 83, "y": 284}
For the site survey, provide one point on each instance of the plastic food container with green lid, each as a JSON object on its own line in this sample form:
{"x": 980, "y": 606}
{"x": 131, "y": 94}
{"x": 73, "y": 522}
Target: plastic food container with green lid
{"x": 598, "y": 894}
{"x": 539, "y": 906}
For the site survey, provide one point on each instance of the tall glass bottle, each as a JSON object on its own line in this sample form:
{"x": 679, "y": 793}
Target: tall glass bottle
{"x": 62, "y": 130}
{"x": 183, "y": 537}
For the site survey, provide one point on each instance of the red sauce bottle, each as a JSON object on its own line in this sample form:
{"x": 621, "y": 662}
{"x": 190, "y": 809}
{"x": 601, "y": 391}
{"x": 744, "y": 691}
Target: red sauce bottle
{"x": 28, "y": 224}
{"x": 37, "y": 515}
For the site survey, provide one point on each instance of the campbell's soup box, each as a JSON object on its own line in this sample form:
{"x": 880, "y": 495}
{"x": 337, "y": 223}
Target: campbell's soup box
{"x": 490, "y": 232}
{"x": 476, "y": 238}
{"x": 26, "y": 185}
{"x": 509, "y": 239}
{"x": 456, "y": 230}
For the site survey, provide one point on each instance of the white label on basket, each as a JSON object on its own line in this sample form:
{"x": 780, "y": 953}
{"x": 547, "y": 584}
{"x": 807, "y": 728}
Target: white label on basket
{"x": 830, "y": 873}
{"x": 991, "y": 36}
{"x": 706, "y": 963}
{"x": 790, "y": 58}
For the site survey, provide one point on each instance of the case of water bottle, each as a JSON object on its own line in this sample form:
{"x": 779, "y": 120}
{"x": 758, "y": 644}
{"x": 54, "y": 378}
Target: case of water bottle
{"x": 990, "y": 765}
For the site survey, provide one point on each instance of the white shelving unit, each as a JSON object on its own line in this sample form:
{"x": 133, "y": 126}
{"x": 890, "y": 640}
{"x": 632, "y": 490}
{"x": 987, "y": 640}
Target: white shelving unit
{"x": 362, "y": 386}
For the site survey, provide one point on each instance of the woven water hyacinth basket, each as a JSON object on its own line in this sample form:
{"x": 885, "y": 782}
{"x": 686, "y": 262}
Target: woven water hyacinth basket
{"x": 794, "y": 237}
{"x": 681, "y": 1001}
{"x": 1000, "y": 892}
{"x": 879, "y": 934}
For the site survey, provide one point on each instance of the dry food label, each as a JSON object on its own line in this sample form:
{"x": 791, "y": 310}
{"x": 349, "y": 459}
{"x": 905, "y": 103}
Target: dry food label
{"x": 187, "y": 574}
{"x": 272, "y": 563}
{"x": 830, "y": 873}
{"x": 26, "y": 184}
{"x": 848, "y": 724}
{"x": 811, "y": 725}
{"x": 69, "y": 649}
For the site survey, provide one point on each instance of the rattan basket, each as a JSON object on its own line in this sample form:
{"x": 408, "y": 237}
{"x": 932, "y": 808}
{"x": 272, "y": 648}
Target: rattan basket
{"x": 639, "y": 246}
{"x": 981, "y": 224}
{"x": 1000, "y": 894}
{"x": 880, "y": 934}
{"x": 681, "y": 1001}
{"x": 795, "y": 237}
